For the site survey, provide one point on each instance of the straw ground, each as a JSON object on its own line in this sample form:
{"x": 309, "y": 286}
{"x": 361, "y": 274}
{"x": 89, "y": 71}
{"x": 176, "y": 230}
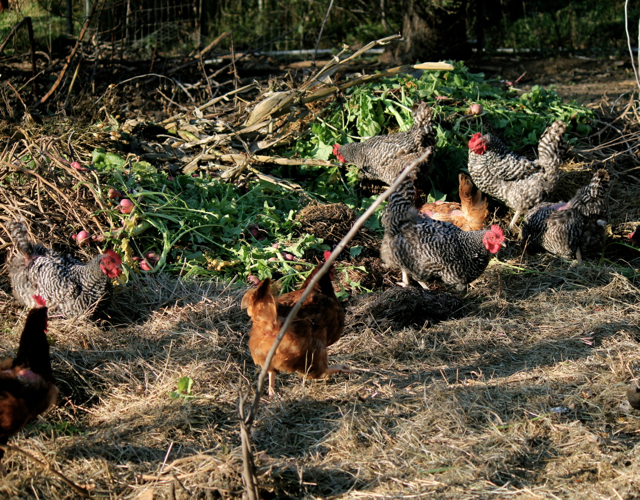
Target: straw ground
{"x": 522, "y": 397}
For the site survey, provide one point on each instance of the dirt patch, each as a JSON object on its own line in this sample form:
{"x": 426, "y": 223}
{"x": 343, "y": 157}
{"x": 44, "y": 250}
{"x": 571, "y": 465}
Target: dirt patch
{"x": 586, "y": 80}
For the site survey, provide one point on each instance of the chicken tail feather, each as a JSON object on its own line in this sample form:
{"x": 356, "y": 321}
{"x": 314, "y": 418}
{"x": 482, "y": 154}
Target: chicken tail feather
{"x": 591, "y": 200}
{"x": 549, "y": 146}
{"x": 474, "y": 207}
{"x": 260, "y": 302}
{"x": 18, "y": 233}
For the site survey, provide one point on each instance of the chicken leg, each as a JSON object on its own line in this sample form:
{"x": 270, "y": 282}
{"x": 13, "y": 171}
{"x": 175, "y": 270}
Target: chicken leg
{"x": 272, "y": 384}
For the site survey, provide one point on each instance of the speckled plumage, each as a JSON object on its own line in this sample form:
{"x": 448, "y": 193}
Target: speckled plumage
{"x": 565, "y": 228}
{"x": 427, "y": 249}
{"x": 376, "y": 157}
{"x": 517, "y": 181}
{"x": 69, "y": 287}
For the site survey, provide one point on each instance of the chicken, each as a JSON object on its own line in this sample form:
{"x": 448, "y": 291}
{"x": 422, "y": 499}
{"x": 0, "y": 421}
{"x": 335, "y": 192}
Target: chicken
{"x": 571, "y": 229}
{"x": 469, "y": 215}
{"x": 303, "y": 349}
{"x": 633, "y": 395}
{"x": 27, "y": 386}
{"x": 69, "y": 287}
{"x": 376, "y": 156}
{"x": 426, "y": 249}
{"x": 634, "y": 238}
{"x": 517, "y": 181}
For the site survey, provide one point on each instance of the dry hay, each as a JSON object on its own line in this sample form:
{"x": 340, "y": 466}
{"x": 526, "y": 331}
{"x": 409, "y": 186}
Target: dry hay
{"x": 523, "y": 397}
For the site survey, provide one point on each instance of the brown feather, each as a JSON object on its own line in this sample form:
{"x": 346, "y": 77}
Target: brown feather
{"x": 318, "y": 324}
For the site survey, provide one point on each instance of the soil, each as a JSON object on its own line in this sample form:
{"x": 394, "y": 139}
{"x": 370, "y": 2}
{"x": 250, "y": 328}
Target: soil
{"x": 583, "y": 79}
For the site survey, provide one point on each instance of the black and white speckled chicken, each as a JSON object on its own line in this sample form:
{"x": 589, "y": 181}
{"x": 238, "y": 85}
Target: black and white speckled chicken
{"x": 428, "y": 249}
{"x": 376, "y": 157}
{"x": 572, "y": 229}
{"x": 517, "y": 181}
{"x": 69, "y": 287}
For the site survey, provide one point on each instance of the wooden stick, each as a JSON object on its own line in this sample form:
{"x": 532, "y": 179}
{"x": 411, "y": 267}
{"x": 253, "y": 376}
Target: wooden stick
{"x": 56, "y": 84}
{"x": 260, "y": 159}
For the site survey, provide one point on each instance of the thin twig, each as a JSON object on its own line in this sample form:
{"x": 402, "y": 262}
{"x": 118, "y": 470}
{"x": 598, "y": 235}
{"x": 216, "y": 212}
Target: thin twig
{"x": 65, "y": 479}
{"x": 326, "y": 16}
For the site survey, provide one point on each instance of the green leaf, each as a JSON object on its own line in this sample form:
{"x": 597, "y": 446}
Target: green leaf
{"x": 355, "y": 251}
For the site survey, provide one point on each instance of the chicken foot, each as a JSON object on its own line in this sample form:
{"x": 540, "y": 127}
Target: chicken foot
{"x": 338, "y": 369}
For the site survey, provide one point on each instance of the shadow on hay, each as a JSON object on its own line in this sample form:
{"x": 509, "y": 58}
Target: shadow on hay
{"x": 493, "y": 361}
{"x": 297, "y": 428}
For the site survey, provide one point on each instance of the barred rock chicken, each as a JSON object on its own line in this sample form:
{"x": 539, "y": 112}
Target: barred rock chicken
{"x": 517, "y": 181}
{"x": 571, "y": 229}
{"x": 469, "y": 215}
{"x": 425, "y": 248}
{"x": 27, "y": 386}
{"x": 376, "y": 157}
{"x": 69, "y": 287}
{"x": 303, "y": 349}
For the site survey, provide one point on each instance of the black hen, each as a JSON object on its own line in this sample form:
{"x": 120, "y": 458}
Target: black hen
{"x": 27, "y": 386}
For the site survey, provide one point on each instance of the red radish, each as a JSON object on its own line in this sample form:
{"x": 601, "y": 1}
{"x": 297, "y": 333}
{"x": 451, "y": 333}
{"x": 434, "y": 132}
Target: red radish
{"x": 77, "y": 166}
{"x": 145, "y": 266}
{"x": 287, "y": 256}
{"x": 275, "y": 245}
{"x": 126, "y": 206}
{"x": 114, "y": 193}
{"x": 254, "y": 280}
{"x": 81, "y": 237}
{"x": 476, "y": 109}
{"x": 273, "y": 259}
{"x": 152, "y": 257}
{"x": 99, "y": 238}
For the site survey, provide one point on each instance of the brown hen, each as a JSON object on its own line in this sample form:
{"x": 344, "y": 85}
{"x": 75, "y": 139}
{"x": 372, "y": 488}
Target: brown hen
{"x": 469, "y": 215}
{"x": 303, "y": 349}
{"x": 27, "y": 387}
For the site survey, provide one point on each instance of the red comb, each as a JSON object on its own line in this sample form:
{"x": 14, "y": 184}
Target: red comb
{"x": 474, "y": 138}
{"x": 326, "y": 254}
{"x": 40, "y": 301}
{"x": 498, "y": 230}
{"x": 114, "y": 256}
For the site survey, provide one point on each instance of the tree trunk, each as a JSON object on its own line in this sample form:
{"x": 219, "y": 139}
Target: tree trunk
{"x": 433, "y": 30}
